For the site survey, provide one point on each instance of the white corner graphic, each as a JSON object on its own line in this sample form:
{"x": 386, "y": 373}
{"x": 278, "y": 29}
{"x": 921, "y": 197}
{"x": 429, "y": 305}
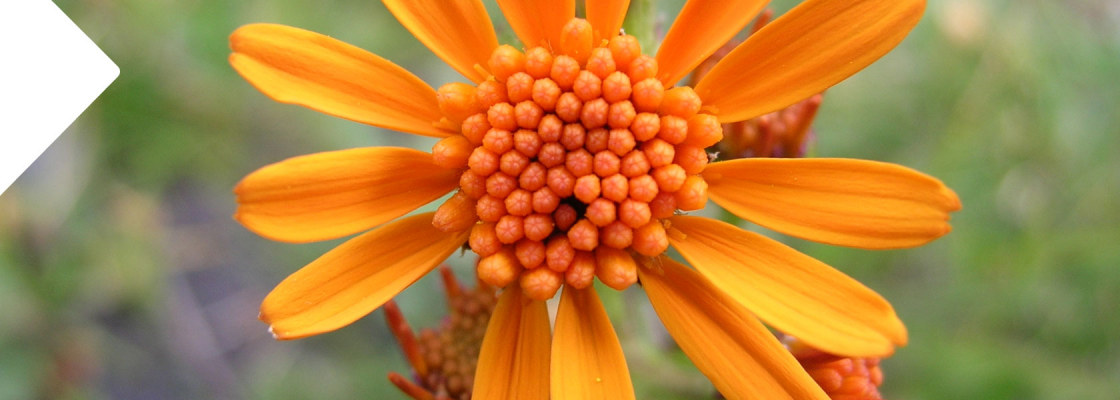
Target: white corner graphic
{"x": 50, "y": 73}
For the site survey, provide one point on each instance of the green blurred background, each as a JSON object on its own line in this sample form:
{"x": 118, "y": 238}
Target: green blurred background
{"x": 122, "y": 275}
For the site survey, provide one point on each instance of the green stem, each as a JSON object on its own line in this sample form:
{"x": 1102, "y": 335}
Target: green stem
{"x": 639, "y": 23}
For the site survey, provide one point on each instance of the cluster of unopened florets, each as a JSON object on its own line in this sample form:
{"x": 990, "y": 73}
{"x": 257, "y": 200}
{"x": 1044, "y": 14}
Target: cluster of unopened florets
{"x": 571, "y": 159}
{"x": 444, "y": 359}
{"x": 842, "y": 378}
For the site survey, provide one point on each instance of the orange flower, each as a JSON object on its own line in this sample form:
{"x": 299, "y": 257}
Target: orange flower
{"x": 570, "y": 161}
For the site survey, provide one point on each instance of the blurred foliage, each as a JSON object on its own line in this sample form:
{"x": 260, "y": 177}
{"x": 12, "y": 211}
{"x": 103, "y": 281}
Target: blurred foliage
{"x": 122, "y": 275}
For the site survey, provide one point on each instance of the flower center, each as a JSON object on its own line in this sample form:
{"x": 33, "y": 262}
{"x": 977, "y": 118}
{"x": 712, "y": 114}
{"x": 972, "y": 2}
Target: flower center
{"x": 571, "y": 162}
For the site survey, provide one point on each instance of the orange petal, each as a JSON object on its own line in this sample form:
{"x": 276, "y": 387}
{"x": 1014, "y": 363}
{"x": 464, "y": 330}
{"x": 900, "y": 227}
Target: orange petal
{"x": 791, "y": 291}
{"x": 857, "y": 203}
{"x": 356, "y": 277}
{"x": 295, "y": 66}
{"x": 701, "y": 28}
{"x": 587, "y": 360}
{"x": 606, "y": 17}
{"x": 513, "y": 361}
{"x": 728, "y": 344}
{"x": 812, "y": 47}
{"x": 458, "y": 31}
{"x": 334, "y": 194}
{"x": 538, "y": 23}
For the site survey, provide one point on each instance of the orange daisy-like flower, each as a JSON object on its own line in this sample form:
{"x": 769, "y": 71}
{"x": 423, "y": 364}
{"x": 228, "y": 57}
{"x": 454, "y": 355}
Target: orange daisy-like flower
{"x": 569, "y": 161}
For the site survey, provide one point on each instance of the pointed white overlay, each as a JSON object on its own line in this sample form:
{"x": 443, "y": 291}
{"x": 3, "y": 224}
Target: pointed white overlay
{"x": 50, "y": 72}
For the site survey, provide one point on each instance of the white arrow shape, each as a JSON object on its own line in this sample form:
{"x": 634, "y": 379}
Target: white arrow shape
{"x": 50, "y": 72}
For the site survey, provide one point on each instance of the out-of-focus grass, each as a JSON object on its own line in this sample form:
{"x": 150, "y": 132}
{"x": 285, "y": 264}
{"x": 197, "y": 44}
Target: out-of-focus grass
{"x": 122, "y": 275}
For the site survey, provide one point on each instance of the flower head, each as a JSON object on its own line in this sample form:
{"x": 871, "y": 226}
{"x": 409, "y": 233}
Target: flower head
{"x": 571, "y": 159}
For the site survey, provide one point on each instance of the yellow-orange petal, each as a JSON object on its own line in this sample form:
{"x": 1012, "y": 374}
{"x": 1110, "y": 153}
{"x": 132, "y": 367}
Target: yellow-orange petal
{"x": 514, "y": 359}
{"x": 458, "y": 31}
{"x": 812, "y": 47}
{"x": 538, "y": 23}
{"x": 333, "y": 194}
{"x": 296, "y": 66}
{"x": 701, "y": 28}
{"x": 846, "y": 202}
{"x": 728, "y": 344}
{"x": 606, "y": 17}
{"x": 587, "y": 360}
{"x": 791, "y": 291}
{"x": 356, "y": 277}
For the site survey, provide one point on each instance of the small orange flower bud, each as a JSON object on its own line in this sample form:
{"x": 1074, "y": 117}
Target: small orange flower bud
{"x": 489, "y": 208}
{"x": 457, "y": 101}
{"x": 643, "y": 188}
{"x": 573, "y": 136}
{"x": 457, "y": 214}
{"x": 620, "y": 115}
{"x": 559, "y": 253}
{"x": 491, "y": 92}
{"x": 500, "y": 116}
{"x": 616, "y": 234}
{"x": 616, "y": 87}
{"x": 581, "y": 273}
{"x": 528, "y": 114}
{"x": 615, "y": 268}
{"x": 634, "y": 213}
{"x": 546, "y": 93}
{"x": 500, "y": 185}
{"x": 693, "y": 159}
{"x": 669, "y": 177}
{"x": 575, "y": 39}
{"x": 674, "y": 129}
{"x": 624, "y": 48}
{"x": 648, "y": 94}
{"x": 596, "y": 140}
{"x": 564, "y": 71}
{"x": 663, "y": 205}
{"x": 529, "y": 252}
{"x": 634, "y": 164}
{"x": 620, "y": 141}
{"x": 587, "y": 86}
{"x": 498, "y": 269}
{"x": 538, "y": 226}
{"x": 519, "y": 87}
{"x": 645, "y": 126}
{"x": 650, "y": 239}
{"x": 484, "y": 240}
{"x": 643, "y": 67}
{"x": 506, "y": 61}
{"x": 584, "y": 235}
{"x": 594, "y": 113}
{"x": 600, "y": 63}
{"x": 659, "y": 152}
{"x": 693, "y": 195}
{"x": 680, "y": 101}
{"x": 541, "y": 284}
{"x": 550, "y": 128}
{"x": 587, "y": 188}
{"x": 532, "y": 177}
{"x": 510, "y": 229}
{"x": 561, "y": 181}
{"x": 606, "y": 163}
{"x": 579, "y": 162}
{"x": 569, "y": 107}
{"x": 538, "y": 62}
{"x": 452, "y": 152}
{"x": 616, "y": 187}
{"x": 519, "y": 203}
{"x": 601, "y": 212}
{"x": 475, "y": 127}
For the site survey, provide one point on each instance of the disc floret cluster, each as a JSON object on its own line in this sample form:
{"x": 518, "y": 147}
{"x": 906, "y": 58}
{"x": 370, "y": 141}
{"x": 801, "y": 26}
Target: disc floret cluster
{"x": 571, "y": 161}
